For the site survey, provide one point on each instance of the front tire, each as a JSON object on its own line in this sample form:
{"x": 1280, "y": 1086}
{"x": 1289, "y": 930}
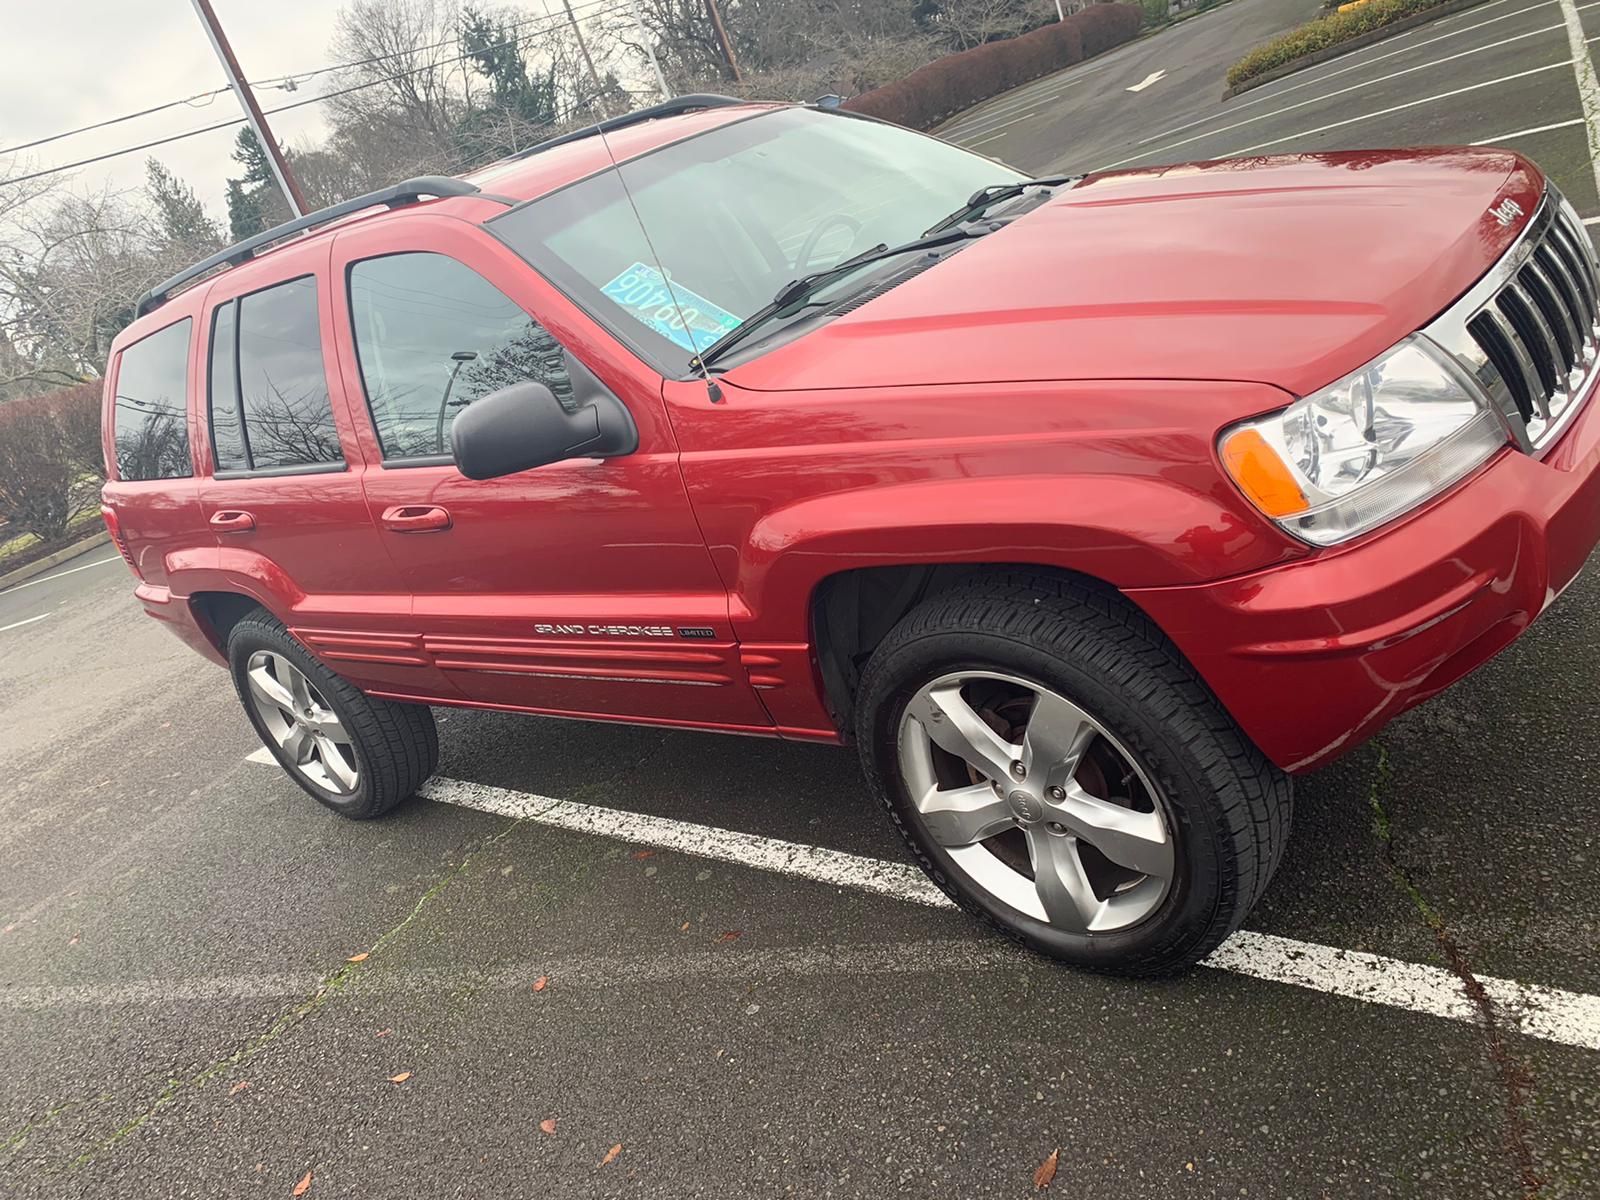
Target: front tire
{"x": 1060, "y": 771}
{"x": 355, "y": 753}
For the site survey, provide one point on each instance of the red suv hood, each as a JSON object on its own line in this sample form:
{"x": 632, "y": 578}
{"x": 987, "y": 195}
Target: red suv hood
{"x": 1289, "y": 271}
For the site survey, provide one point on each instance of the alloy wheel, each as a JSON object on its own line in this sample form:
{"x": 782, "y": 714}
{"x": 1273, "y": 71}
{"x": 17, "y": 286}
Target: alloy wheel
{"x": 302, "y": 723}
{"x": 1036, "y": 801}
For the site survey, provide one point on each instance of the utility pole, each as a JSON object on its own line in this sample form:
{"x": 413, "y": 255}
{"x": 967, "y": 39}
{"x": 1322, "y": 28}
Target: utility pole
{"x": 584, "y": 46}
{"x": 722, "y": 40}
{"x": 281, "y": 171}
{"x": 650, "y": 52}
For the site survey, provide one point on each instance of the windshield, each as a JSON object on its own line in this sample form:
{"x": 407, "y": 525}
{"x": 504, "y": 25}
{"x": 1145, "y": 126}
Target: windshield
{"x": 733, "y": 215}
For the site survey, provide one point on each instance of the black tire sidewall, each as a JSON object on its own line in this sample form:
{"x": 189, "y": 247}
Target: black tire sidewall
{"x": 1189, "y": 910}
{"x": 251, "y": 635}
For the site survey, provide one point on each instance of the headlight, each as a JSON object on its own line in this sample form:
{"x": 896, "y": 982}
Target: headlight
{"x": 1367, "y": 448}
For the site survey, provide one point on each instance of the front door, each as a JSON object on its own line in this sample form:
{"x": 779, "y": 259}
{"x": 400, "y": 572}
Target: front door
{"x": 580, "y": 588}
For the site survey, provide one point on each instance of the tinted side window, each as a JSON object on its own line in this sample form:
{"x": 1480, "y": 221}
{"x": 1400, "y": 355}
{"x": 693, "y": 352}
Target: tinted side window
{"x": 432, "y": 336}
{"x": 227, "y": 428}
{"x": 283, "y": 386}
{"x": 150, "y": 426}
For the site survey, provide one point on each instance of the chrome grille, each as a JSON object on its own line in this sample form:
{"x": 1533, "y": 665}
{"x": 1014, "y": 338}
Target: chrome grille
{"x": 1529, "y": 332}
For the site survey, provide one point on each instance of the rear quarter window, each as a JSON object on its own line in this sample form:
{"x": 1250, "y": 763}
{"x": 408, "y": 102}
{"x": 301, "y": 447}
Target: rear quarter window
{"x": 150, "y": 423}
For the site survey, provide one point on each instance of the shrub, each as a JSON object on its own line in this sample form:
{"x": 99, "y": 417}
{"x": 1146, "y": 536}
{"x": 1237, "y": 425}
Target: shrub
{"x": 1322, "y": 33}
{"x": 958, "y": 81}
{"x": 49, "y": 458}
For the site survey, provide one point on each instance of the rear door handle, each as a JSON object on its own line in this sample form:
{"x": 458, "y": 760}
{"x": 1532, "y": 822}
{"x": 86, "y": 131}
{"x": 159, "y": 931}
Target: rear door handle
{"x": 416, "y": 518}
{"x": 232, "y": 520}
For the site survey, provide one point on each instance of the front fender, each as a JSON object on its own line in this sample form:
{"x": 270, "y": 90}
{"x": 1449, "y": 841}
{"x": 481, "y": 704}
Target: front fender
{"x": 1126, "y": 531}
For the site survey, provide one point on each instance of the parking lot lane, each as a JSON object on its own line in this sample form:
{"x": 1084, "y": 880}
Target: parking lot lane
{"x": 1480, "y": 75}
{"x": 1192, "y": 53}
{"x": 816, "y": 1082}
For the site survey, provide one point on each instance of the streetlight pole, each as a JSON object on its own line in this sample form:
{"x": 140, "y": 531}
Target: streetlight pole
{"x": 650, "y": 52}
{"x": 461, "y": 359}
{"x": 287, "y": 183}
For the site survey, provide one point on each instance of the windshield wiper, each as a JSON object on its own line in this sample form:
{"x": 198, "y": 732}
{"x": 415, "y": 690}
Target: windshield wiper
{"x": 797, "y": 291}
{"x": 986, "y": 198}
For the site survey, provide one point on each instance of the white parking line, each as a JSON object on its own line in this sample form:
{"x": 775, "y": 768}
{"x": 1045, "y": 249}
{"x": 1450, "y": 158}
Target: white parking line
{"x": 1516, "y": 133}
{"x": 58, "y": 574}
{"x": 1045, "y": 88}
{"x": 1318, "y": 99}
{"x": 1552, "y": 1014}
{"x": 1269, "y": 91}
{"x": 20, "y": 624}
{"x": 1383, "y": 112}
{"x": 999, "y": 130}
{"x": 1588, "y": 85}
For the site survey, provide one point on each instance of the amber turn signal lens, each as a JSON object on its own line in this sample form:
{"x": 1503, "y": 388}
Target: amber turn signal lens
{"x": 1262, "y": 475}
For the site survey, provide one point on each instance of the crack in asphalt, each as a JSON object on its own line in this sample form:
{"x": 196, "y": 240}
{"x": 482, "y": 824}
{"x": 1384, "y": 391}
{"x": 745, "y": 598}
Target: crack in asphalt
{"x": 1516, "y": 1081}
{"x": 330, "y": 987}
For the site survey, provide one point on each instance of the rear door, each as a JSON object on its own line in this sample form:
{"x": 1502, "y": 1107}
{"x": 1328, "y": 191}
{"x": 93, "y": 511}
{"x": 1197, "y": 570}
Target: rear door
{"x": 581, "y": 588}
{"x": 280, "y": 475}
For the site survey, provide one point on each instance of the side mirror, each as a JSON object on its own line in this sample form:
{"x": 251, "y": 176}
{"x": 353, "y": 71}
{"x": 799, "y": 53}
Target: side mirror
{"x": 523, "y": 426}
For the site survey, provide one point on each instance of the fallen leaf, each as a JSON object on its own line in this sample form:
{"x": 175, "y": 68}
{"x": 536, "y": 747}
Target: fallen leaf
{"x": 238, "y": 1087}
{"x": 73, "y": 940}
{"x": 684, "y": 928}
{"x": 304, "y": 1186}
{"x": 1188, "y": 1166}
{"x": 541, "y": 983}
{"x": 383, "y": 1033}
{"x": 400, "y": 1078}
{"x": 611, "y": 1156}
{"x": 1046, "y": 1171}
{"x": 362, "y": 957}
{"x": 643, "y": 854}
{"x": 548, "y": 1125}
{"x": 9, "y": 927}
{"x": 729, "y": 935}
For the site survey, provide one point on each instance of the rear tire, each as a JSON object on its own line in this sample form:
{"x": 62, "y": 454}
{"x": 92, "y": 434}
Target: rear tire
{"x": 1021, "y": 666}
{"x": 355, "y": 753}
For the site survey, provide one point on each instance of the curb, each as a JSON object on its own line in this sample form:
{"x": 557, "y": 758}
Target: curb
{"x": 1359, "y": 42}
{"x": 55, "y": 559}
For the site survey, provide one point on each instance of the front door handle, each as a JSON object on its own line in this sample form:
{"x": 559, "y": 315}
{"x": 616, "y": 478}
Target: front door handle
{"x": 232, "y": 520}
{"x": 416, "y": 518}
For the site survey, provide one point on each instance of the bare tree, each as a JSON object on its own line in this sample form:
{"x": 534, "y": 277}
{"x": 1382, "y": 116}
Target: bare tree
{"x": 407, "y": 51}
{"x": 968, "y": 23}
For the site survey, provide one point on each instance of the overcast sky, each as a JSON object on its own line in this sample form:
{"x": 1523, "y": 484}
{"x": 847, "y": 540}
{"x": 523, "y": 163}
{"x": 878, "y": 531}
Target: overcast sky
{"x": 65, "y": 63}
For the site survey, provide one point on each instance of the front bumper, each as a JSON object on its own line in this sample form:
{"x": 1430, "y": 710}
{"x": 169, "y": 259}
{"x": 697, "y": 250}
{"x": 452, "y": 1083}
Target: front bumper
{"x": 1314, "y": 657}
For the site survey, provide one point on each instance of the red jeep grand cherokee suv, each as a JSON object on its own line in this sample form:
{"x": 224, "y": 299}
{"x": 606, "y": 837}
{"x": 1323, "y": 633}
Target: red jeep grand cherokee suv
{"x": 1089, "y": 509}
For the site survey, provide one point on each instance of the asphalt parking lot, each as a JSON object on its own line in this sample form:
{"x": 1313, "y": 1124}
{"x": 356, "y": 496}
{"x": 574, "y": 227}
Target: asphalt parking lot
{"x": 711, "y": 953}
{"x": 1500, "y": 72}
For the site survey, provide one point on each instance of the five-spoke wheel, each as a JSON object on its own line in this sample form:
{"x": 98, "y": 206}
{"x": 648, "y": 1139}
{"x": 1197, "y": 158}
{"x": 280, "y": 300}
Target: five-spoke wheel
{"x": 1036, "y": 801}
{"x": 358, "y": 754}
{"x": 302, "y": 722}
{"x": 1063, "y": 775}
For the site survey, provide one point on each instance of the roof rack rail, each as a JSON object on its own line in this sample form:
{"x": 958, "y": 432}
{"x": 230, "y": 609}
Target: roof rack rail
{"x": 408, "y": 192}
{"x": 677, "y": 106}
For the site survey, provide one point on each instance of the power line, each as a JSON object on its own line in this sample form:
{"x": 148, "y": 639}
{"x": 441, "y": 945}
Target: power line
{"x": 143, "y": 112}
{"x": 296, "y": 78}
{"x": 178, "y": 137}
{"x": 291, "y": 80}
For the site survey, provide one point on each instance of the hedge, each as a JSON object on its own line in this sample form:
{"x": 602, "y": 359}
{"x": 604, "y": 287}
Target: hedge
{"x": 958, "y": 81}
{"x": 50, "y": 458}
{"x": 1323, "y": 32}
